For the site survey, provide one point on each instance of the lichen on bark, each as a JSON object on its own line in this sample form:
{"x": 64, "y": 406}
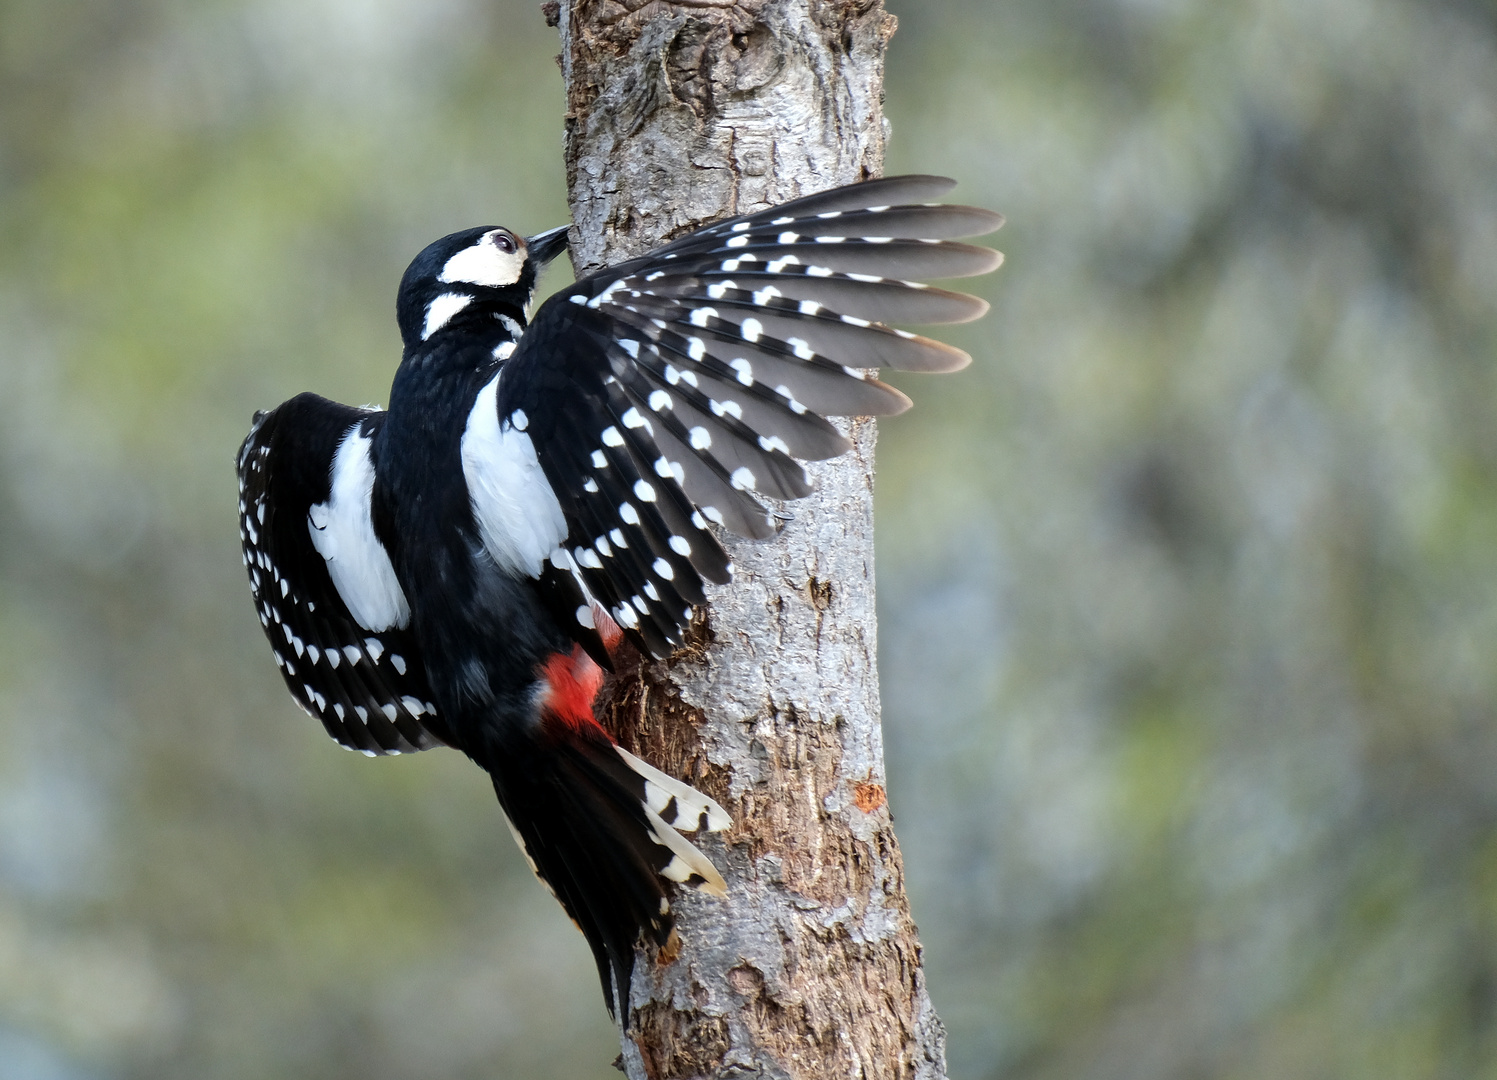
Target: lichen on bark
{"x": 679, "y": 114}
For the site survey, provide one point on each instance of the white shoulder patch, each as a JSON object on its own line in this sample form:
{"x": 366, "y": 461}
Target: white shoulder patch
{"x": 518, "y": 515}
{"x": 343, "y": 534}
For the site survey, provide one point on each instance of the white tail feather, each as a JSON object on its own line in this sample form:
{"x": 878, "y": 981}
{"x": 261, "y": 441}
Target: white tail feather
{"x": 693, "y": 809}
{"x": 686, "y": 860}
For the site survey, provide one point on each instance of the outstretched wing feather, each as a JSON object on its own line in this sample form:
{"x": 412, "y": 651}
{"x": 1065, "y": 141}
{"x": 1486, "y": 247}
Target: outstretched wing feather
{"x": 367, "y": 685}
{"x": 704, "y": 369}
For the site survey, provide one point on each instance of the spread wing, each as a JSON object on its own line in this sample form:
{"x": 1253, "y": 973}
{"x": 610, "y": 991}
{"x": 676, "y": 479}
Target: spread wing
{"x": 324, "y": 586}
{"x": 671, "y": 391}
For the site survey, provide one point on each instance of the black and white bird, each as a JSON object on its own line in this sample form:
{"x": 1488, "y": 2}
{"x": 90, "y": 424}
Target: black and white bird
{"x": 453, "y": 570}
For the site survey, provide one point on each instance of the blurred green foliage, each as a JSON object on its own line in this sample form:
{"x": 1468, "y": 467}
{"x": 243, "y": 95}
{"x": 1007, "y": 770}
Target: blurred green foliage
{"x": 1189, "y": 584}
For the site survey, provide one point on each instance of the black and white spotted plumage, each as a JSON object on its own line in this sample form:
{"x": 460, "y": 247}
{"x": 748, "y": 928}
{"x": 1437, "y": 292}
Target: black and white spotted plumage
{"x": 363, "y": 675}
{"x": 455, "y": 569}
{"x": 675, "y": 388}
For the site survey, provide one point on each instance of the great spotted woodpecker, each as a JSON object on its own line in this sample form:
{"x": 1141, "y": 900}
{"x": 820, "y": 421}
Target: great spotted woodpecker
{"x": 455, "y": 569}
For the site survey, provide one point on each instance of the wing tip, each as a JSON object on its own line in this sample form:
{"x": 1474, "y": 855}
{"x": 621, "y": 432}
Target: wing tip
{"x": 974, "y": 308}
{"x": 992, "y": 218}
{"x": 930, "y": 185}
{"x": 984, "y": 259}
{"x": 899, "y": 400}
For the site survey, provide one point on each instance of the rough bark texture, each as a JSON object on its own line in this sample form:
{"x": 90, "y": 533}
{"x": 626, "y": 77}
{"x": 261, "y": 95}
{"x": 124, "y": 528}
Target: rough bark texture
{"x": 678, "y": 114}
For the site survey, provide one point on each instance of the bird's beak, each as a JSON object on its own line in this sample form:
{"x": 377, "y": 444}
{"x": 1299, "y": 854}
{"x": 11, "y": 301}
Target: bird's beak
{"x": 545, "y": 246}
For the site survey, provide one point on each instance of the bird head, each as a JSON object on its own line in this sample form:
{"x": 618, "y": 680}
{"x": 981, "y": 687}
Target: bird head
{"x": 488, "y": 274}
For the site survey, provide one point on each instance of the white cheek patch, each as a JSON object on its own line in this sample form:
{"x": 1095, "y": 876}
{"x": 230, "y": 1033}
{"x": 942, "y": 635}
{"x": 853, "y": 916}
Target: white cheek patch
{"x": 441, "y": 310}
{"x": 483, "y": 264}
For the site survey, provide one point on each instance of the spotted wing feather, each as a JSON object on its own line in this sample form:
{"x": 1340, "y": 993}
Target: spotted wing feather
{"x": 368, "y": 686}
{"x": 705, "y": 370}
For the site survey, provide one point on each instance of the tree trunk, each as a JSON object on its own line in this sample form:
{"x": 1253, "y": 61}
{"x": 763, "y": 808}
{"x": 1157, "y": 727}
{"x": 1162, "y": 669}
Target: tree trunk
{"x": 679, "y": 114}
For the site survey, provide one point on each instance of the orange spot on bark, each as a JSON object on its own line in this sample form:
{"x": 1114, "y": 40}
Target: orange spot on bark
{"x": 868, "y": 797}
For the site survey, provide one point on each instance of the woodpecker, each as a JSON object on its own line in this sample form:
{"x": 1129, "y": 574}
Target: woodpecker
{"x": 454, "y": 570}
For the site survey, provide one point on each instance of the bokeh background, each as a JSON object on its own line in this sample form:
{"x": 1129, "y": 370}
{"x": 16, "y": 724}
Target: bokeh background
{"x": 1188, "y": 585}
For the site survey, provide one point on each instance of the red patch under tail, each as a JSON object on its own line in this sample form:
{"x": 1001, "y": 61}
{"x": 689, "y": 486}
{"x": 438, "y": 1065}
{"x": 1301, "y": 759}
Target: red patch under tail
{"x": 572, "y": 683}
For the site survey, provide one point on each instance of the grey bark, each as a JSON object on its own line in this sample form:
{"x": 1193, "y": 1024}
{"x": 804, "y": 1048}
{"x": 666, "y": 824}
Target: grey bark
{"x": 678, "y": 114}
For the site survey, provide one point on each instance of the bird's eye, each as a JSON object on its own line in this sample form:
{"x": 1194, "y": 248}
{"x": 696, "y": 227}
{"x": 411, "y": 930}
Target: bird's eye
{"x": 505, "y": 243}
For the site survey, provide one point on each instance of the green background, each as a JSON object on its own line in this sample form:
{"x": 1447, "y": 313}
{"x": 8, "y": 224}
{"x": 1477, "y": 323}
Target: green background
{"x": 1188, "y": 586}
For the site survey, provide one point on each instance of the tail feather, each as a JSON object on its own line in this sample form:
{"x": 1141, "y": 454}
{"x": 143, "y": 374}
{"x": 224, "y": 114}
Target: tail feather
{"x": 679, "y": 804}
{"x": 592, "y": 821}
